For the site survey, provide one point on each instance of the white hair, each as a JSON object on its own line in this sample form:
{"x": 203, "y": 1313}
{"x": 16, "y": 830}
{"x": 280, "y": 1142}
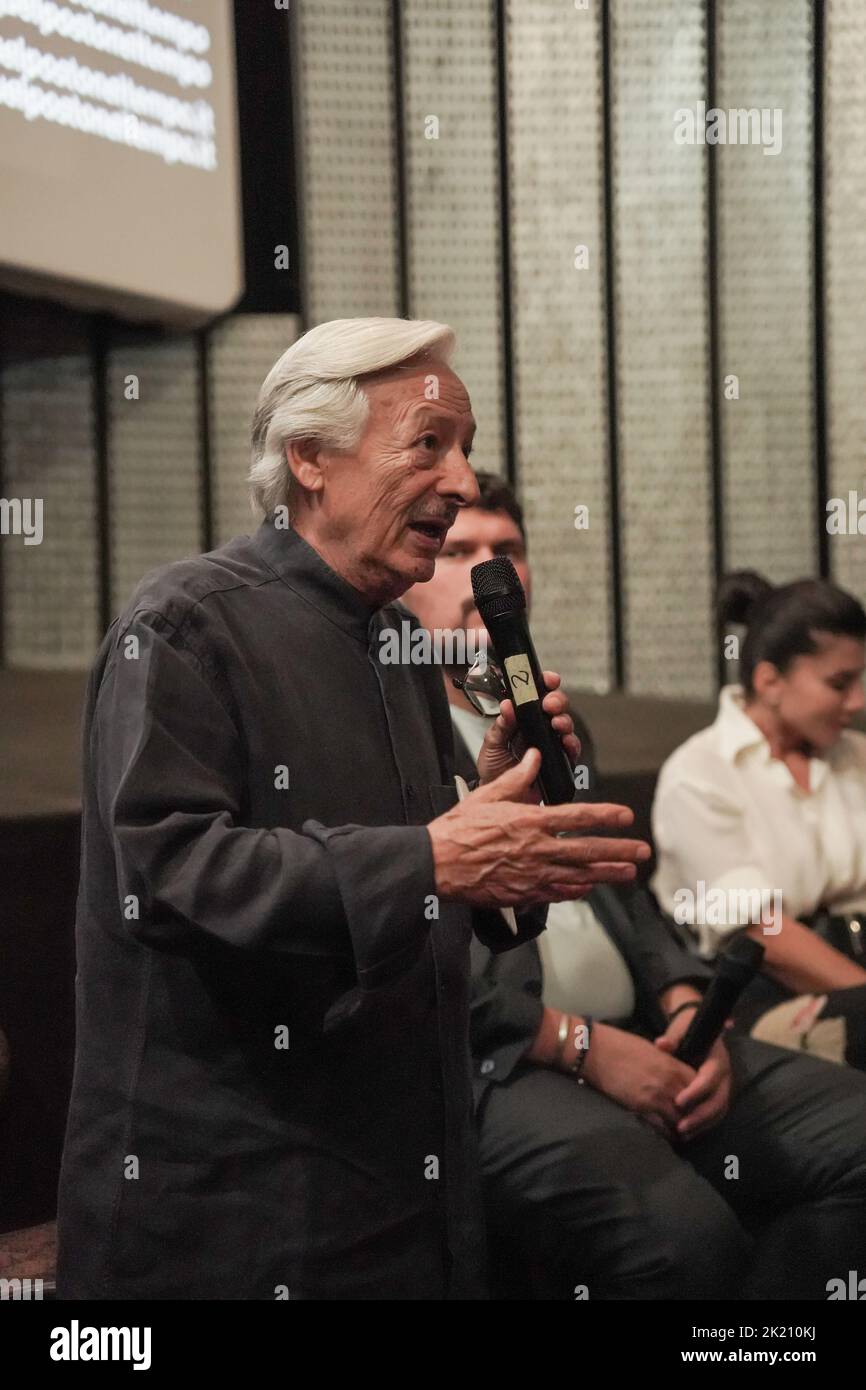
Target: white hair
{"x": 312, "y": 392}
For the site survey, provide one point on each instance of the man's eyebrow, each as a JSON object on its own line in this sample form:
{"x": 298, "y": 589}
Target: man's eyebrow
{"x": 429, "y": 410}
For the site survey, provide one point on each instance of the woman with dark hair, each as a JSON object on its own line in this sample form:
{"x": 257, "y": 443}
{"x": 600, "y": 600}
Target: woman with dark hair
{"x": 760, "y": 820}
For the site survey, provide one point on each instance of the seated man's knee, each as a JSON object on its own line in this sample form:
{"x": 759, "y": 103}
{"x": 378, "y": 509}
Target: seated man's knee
{"x": 675, "y": 1239}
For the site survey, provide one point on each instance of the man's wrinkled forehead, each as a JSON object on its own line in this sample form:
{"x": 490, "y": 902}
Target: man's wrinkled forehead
{"x": 406, "y": 390}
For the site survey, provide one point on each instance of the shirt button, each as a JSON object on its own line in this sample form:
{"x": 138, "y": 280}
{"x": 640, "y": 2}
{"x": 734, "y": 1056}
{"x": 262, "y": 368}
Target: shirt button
{"x": 487, "y": 1067}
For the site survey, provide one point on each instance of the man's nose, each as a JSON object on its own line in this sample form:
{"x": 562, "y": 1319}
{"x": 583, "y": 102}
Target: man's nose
{"x": 458, "y": 480}
{"x": 856, "y": 698}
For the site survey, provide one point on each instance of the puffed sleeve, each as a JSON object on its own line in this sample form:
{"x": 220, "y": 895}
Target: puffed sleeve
{"x": 704, "y": 852}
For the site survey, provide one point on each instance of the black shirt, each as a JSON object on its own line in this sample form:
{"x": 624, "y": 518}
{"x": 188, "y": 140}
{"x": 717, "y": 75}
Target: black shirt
{"x": 272, "y": 1092}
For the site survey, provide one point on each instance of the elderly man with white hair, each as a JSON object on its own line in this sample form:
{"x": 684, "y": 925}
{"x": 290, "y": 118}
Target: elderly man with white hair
{"x": 272, "y": 1093}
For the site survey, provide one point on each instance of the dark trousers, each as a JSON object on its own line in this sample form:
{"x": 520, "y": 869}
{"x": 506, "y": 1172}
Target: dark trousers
{"x": 582, "y": 1193}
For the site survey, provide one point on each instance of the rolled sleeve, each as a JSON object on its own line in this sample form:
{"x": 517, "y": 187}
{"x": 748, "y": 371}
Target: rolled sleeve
{"x": 385, "y": 878}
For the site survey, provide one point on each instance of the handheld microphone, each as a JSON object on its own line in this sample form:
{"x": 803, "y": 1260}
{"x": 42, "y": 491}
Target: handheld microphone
{"x": 737, "y": 967}
{"x": 501, "y": 601}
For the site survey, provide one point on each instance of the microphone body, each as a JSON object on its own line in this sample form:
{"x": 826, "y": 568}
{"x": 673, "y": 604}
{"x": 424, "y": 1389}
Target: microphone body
{"x": 501, "y": 601}
{"x": 736, "y": 968}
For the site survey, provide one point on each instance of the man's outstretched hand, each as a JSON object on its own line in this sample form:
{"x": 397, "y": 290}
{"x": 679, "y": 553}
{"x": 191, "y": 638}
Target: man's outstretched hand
{"x": 496, "y": 849}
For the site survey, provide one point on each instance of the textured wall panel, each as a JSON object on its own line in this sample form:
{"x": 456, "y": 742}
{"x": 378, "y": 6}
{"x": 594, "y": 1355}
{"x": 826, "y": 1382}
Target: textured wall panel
{"x": 154, "y": 456}
{"x": 453, "y": 196}
{"x": 346, "y": 145}
{"x": 556, "y": 195}
{"x": 241, "y": 352}
{"x": 51, "y": 594}
{"x": 845, "y": 242}
{"x": 765, "y": 290}
{"x": 660, "y": 237}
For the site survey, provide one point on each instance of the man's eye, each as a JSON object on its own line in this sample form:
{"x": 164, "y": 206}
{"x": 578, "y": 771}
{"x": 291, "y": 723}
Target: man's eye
{"x": 429, "y": 441}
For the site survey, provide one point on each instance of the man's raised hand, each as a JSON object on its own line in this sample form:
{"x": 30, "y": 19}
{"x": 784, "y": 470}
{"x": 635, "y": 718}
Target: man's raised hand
{"x": 495, "y": 850}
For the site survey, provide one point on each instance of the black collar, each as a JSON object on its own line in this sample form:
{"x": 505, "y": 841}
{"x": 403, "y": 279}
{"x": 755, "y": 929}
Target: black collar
{"x": 301, "y": 567}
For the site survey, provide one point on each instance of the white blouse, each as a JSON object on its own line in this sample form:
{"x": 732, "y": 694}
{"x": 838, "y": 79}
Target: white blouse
{"x": 729, "y": 816}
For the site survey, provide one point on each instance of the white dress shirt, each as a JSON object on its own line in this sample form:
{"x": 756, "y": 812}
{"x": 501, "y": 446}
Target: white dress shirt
{"x": 729, "y": 815}
{"x": 582, "y": 970}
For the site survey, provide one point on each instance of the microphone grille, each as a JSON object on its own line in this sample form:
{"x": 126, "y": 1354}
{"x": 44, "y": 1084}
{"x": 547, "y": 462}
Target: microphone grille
{"x": 496, "y": 588}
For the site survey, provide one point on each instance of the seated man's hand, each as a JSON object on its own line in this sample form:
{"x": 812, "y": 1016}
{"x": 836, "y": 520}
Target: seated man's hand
{"x": 637, "y": 1075}
{"x": 504, "y": 746}
{"x": 494, "y": 850}
{"x": 705, "y": 1099}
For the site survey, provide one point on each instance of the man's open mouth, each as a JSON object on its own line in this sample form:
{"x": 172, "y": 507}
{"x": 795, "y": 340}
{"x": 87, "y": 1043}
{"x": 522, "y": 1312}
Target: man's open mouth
{"x": 433, "y": 530}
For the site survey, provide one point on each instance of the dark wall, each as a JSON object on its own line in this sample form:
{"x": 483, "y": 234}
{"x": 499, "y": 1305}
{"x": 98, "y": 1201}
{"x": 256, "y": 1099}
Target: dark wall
{"x": 39, "y": 873}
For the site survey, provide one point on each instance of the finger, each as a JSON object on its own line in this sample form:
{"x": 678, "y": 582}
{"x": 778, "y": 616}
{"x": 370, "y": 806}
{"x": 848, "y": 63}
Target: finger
{"x": 583, "y": 815}
{"x": 566, "y": 892}
{"x": 571, "y": 744}
{"x": 514, "y": 782}
{"x": 585, "y": 875}
{"x": 659, "y": 1124}
{"x": 562, "y": 723}
{"x": 563, "y": 726}
{"x": 504, "y": 726}
{"x": 666, "y": 1111}
{"x": 702, "y": 1118}
{"x": 555, "y": 702}
{"x": 507, "y": 719}
{"x": 558, "y": 892}
{"x": 552, "y": 679}
{"x": 707, "y": 1080}
{"x": 607, "y": 873}
{"x": 594, "y": 849}
{"x": 507, "y": 736}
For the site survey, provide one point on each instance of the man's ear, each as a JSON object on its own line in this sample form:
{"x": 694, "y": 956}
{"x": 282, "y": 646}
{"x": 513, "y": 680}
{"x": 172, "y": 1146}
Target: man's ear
{"x": 305, "y": 465}
{"x": 767, "y": 681}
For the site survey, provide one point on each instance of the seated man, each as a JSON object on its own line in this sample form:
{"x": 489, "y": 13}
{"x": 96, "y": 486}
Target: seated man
{"x": 620, "y": 1172}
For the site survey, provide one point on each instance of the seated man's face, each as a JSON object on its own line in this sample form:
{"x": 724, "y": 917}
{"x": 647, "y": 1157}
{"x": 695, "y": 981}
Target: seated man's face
{"x": 446, "y": 600}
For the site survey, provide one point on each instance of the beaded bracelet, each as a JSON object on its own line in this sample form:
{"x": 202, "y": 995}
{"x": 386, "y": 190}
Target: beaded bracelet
{"x": 576, "y": 1067}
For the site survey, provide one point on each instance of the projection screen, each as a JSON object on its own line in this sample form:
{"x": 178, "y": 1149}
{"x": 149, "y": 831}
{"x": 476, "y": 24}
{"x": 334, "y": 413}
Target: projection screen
{"x": 118, "y": 155}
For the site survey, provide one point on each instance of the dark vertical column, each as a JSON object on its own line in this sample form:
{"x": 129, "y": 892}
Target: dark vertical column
{"x": 205, "y": 465}
{"x": 610, "y": 314}
{"x": 99, "y": 340}
{"x": 295, "y": 78}
{"x": 3, "y": 330}
{"x": 267, "y": 155}
{"x": 819, "y": 287}
{"x": 713, "y": 322}
{"x": 400, "y": 161}
{"x": 506, "y": 299}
